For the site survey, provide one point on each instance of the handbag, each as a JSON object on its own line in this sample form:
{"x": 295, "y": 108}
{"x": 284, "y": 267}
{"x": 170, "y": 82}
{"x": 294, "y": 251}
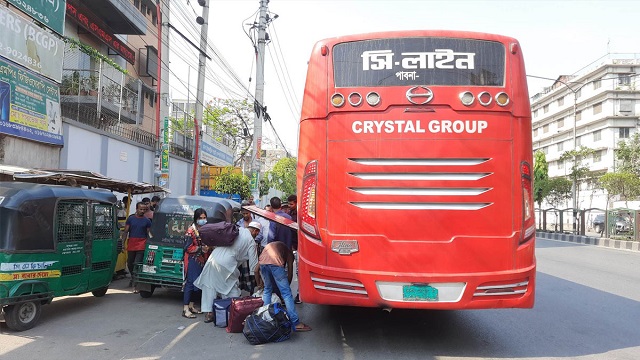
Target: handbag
{"x": 219, "y": 234}
{"x": 239, "y": 310}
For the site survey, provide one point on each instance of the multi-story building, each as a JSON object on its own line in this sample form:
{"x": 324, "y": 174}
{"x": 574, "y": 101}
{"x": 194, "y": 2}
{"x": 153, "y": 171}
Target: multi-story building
{"x": 596, "y": 108}
{"x": 86, "y": 95}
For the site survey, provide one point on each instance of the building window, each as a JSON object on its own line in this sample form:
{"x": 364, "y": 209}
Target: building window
{"x": 597, "y": 108}
{"x": 624, "y": 79}
{"x": 597, "y": 84}
{"x": 577, "y": 141}
{"x": 545, "y": 129}
{"x": 597, "y": 156}
{"x": 578, "y": 93}
{"x": 623, "y": 133}
{"x": 545, "y": 150}
{"x": 561, "y": 101}
{"x": 597, "y": 135}
{"x": 535, "y": 132}
{"x": 578, "y": 115}
{"x": 535, "y": 113}
{"x": 560, "y": 146}
{"x": 545, "y": 108}
{"x": 560, "y": 123}
{"x": 560, "y": 164}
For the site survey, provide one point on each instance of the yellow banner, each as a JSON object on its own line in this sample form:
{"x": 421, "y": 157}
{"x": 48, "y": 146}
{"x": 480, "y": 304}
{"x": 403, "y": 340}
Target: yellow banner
{"x": 29, "y": 275}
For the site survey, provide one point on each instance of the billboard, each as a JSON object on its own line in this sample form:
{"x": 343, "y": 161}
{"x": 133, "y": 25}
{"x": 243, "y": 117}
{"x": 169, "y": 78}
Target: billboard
{"x": 25, "y": 43}
{"x": 48, "y": 12}
{"x": 214, "y": 152}
{"x": 29, "y": 105}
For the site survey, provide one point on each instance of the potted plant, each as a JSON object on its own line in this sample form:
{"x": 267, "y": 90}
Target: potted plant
{"x": 70, "y": 84}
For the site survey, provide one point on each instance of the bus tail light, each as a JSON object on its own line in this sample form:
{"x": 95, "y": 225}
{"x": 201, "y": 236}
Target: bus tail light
{"x": 373, "y": 98}
{"x": 467, "y": 98}
{"x": 337, "y": 100}
{"x": 484, "y": 98}
{"x": 528, "y": 228}
{"x": 502, "y": 99}
{"x": 355, "y": 99}
{"x": 307, "y": 216}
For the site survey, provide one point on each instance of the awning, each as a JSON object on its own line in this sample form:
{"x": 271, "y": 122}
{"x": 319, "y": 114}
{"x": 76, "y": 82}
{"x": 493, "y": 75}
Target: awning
{"x": 76, "y": 178}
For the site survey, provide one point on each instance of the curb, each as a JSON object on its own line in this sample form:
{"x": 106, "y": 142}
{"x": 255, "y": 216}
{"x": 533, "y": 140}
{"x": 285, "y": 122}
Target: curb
{"x": 589, "y": 240}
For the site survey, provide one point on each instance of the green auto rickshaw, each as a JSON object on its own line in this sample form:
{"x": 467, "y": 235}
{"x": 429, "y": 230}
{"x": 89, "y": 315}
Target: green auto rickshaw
{"x": 54, "y": 241}
{"x": 162, "y": 264}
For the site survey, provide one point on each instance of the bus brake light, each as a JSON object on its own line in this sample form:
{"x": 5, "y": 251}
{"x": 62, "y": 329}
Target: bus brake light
{"x": 527, "y": 202}
{"x": 307, "y": 214}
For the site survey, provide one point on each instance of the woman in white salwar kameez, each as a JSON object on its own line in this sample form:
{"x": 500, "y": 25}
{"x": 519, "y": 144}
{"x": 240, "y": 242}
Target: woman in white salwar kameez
{"x": 220, "y": 273}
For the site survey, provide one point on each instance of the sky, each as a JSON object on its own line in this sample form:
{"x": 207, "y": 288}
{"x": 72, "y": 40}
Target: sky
{"x": 557, "y": 38}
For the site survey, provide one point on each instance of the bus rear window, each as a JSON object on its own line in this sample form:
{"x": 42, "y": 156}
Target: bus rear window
{"x": 419, "y": 61}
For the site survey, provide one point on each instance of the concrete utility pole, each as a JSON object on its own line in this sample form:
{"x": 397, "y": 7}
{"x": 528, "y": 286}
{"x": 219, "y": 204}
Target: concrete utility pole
{"x": 259, "y": 95}
{"x": 202, "y": 58}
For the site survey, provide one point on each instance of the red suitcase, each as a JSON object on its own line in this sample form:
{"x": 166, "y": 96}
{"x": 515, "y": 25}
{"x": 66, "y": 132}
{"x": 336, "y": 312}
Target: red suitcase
{"x": 239, "y": 310}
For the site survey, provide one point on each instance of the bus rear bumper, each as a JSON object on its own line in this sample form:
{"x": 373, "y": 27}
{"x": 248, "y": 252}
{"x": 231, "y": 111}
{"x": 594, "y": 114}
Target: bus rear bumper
{"x": 331, "y": 286}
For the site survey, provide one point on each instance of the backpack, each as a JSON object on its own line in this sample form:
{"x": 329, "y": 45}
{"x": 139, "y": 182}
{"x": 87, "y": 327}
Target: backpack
{"x": 269, "y": 323}
{"x": 219, "y": 234}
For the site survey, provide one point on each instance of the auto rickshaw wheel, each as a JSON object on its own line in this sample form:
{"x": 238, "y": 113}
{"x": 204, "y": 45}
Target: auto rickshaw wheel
{"x": 100, "y": 292}
{"x": 146, "y": 294}
{"x": 22, "y": 316}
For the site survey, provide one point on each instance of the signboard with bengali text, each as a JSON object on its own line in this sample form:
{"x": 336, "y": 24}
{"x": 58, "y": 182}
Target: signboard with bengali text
{"x": 48, "y": 12}
{"x": 29, "y": 105}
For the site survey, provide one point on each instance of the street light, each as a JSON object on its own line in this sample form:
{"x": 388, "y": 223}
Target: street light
{"x": 574, "y": 189}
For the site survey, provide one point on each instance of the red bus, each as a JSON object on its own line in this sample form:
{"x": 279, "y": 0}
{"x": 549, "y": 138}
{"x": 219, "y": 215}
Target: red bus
{"x": 415, "y": 173}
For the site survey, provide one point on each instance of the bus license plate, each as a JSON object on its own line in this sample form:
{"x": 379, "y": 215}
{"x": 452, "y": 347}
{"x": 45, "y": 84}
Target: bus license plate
{"x": 419, "y": 293}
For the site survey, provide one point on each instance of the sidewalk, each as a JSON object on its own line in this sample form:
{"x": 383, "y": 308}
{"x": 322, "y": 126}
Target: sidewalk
{"x": 590, "y": 240}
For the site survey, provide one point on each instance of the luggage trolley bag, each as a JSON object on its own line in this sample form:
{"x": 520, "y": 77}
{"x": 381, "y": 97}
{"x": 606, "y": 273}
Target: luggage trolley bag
{"x": 239, "y": 310}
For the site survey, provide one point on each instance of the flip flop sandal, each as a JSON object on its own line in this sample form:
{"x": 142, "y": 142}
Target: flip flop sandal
{"x": 195, "y": 311}
{"x": 190, "y": 316}
{"x": 208, "y": 318}
{"x": 304, "y": 328}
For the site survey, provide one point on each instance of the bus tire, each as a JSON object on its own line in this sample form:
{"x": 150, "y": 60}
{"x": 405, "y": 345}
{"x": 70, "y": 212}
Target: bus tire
{"x": 23, "y": 316}
{"x": 100, "y": 292}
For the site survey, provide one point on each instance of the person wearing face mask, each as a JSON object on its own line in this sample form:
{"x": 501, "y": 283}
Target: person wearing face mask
{"x": 195, "y": 256}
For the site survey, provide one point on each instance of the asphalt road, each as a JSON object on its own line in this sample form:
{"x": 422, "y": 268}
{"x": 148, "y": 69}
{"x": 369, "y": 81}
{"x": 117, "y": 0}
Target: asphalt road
{"x": 587, "y": 307}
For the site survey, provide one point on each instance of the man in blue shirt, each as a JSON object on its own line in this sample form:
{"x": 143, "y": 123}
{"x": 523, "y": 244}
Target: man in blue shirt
{"x": 279, "y": 232}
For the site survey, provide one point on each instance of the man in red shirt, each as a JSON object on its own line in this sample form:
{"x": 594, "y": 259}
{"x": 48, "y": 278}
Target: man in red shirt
{"x": 138, "y": 228}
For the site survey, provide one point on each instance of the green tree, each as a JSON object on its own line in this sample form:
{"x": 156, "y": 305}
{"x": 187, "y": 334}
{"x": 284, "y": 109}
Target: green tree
{"x": 231, "y": 122}
{"x": 625, "y": 184}
{"x": 540, "y": 179}
{"x": 628, "y": 155}
{"x": 264, "y": 187}
{"x": 579, "y": 171}
{"x": 559, "y": 189}
{"x": 233, "y": 183}
{"x": 283, "y": 175}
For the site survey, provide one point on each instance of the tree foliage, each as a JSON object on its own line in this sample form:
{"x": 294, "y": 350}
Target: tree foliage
{"x": 233, "y": 183}
{"x": 625, "y": 184}
{"x": 230, "y": 122}
{"x": 628, "y": 155}
{"x": 540, "y": 177}
{"x": 559, "y": 189}
{"x": 283, "y": 175}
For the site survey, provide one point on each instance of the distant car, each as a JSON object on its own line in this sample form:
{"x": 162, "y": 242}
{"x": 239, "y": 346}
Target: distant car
{"x": 622, "y": 225}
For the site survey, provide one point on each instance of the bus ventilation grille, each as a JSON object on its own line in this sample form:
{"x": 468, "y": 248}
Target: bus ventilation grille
{"x": 100, "y": 265}
{"x": 340, "y": 286}
{"x": 71, "y": 270}
{"x": 506, "y": 289}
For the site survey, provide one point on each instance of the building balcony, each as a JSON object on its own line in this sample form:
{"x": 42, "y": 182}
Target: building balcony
{"x": 120, "y": 15}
